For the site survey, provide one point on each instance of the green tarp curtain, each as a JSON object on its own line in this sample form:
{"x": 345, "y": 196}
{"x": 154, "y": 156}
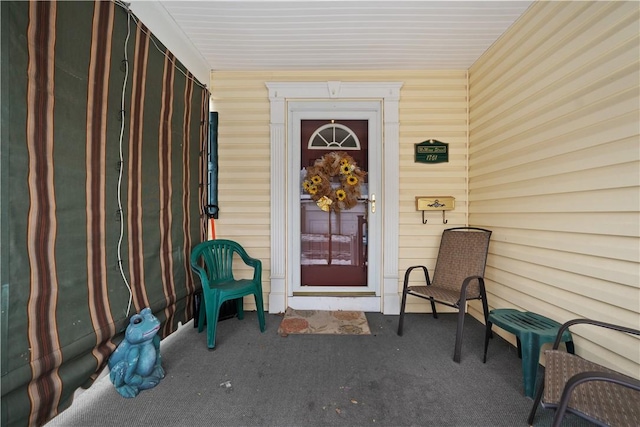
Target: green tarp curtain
{"x": 102, "y": 182}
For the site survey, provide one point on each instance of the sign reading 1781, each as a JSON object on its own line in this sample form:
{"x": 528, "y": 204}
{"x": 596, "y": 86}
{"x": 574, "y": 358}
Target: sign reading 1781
{"x": 431, "y": 151}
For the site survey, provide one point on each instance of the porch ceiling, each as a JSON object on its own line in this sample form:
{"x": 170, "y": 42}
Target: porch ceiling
{"x": 343, "y": 35}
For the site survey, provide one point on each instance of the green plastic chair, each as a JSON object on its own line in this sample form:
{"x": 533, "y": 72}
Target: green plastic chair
{"x": 213, "y": 262}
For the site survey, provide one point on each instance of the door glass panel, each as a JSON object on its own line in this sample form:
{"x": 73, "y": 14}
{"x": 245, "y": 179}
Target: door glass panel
{"x": 334, "y": 135}
{"x": 333, "y": 244}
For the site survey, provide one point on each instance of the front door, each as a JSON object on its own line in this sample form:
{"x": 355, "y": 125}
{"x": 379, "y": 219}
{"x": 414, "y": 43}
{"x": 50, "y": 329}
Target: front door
{"x": 335, "y": 255}
{"x": 333, "y": 203}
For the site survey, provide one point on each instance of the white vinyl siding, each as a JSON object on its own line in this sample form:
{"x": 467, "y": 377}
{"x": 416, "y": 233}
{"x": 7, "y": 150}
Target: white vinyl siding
{"x": 554, "y": 168}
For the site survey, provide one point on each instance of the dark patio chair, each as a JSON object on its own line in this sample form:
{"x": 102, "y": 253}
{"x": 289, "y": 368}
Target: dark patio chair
{"x": 458, "y": 276}
{"x": 219, "y": 285}
{"x": 575, "y": 385}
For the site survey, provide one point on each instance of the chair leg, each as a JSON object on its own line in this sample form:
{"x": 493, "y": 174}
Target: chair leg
{"x": 536, "y": 402}
{"x": 487, "y": 335}
{"x": 260, "y": 308}
{"x": 402, "y": 307}
{"x": 519, "y": 346}
{"x": 405, "y": 291}
{"x": 530, "y": 363}
{"x": 488, "y": 325}
{"x": 458, "y": 349}
{"x": 213, "y": 311}
{"x": 433, "y": 308}
{"x": 197, "y": 300}
{"x": 202, "y": 319}
{"x": 240, "y": 307}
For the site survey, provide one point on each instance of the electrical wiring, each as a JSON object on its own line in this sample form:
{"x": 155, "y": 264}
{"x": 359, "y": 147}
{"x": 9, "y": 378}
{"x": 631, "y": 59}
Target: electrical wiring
{"x": 121, "y": 162}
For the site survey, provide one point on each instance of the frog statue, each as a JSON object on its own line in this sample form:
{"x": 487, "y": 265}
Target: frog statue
{"x": 135, "y": 364}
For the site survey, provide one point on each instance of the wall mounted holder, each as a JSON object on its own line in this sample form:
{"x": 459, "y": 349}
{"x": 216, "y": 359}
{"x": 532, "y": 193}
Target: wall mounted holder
{"x": 435, "y": 203}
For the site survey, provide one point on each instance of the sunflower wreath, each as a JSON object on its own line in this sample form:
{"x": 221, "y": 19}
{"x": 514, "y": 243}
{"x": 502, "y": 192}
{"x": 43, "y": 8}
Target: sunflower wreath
{"x": 334, "y": 182}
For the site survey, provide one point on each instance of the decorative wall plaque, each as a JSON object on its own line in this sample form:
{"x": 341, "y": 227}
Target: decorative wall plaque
{"x": 432, "y": 151}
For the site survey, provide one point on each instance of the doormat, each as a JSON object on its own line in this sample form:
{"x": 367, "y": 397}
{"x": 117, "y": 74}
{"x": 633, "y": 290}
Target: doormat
{"x": 324, "y": 322}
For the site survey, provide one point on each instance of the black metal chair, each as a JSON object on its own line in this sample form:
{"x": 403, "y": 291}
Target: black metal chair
{"x": 458, "y": 276}
{"x": 589, "y": 390}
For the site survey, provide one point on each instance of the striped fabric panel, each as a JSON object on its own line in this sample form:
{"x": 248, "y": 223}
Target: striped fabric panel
{"x": 186, "y": 193}
{"x": 166, "y": 191}
{"x": 45, "y": 357}
{"x": 136, "y": 249}
{"x": 64, "y": 231}
{"x": 96, "y": 129}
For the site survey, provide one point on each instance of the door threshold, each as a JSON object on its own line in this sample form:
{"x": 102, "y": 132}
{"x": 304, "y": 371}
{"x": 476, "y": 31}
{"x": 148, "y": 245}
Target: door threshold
{"x": 359, "y": 302}
{"x": 334, "y": 294}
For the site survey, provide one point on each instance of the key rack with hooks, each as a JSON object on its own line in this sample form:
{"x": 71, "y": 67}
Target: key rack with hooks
{"x": 435, "y": 203}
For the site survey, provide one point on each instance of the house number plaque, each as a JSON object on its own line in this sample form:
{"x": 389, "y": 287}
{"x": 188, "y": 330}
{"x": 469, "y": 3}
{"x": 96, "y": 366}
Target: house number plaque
{"x": 432, "y": 151}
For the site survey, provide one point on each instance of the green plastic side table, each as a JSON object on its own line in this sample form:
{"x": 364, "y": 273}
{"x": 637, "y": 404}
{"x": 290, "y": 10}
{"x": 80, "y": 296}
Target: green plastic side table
{"x": 532, "y": 331}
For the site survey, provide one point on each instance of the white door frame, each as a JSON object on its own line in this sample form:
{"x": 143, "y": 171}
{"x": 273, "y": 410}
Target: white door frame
{"x": 386, "y": 96}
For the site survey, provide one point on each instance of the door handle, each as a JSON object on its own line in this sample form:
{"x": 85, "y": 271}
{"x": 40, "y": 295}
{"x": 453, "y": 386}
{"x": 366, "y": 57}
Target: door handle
{"x": 372, "y": 200}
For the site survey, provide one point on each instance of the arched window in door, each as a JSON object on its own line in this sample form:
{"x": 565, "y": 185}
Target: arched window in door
{"x": 333, "y": 136}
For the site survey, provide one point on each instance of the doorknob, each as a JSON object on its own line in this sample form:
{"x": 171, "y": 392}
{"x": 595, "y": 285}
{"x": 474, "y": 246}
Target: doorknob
{"x": 372, "y": 200}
